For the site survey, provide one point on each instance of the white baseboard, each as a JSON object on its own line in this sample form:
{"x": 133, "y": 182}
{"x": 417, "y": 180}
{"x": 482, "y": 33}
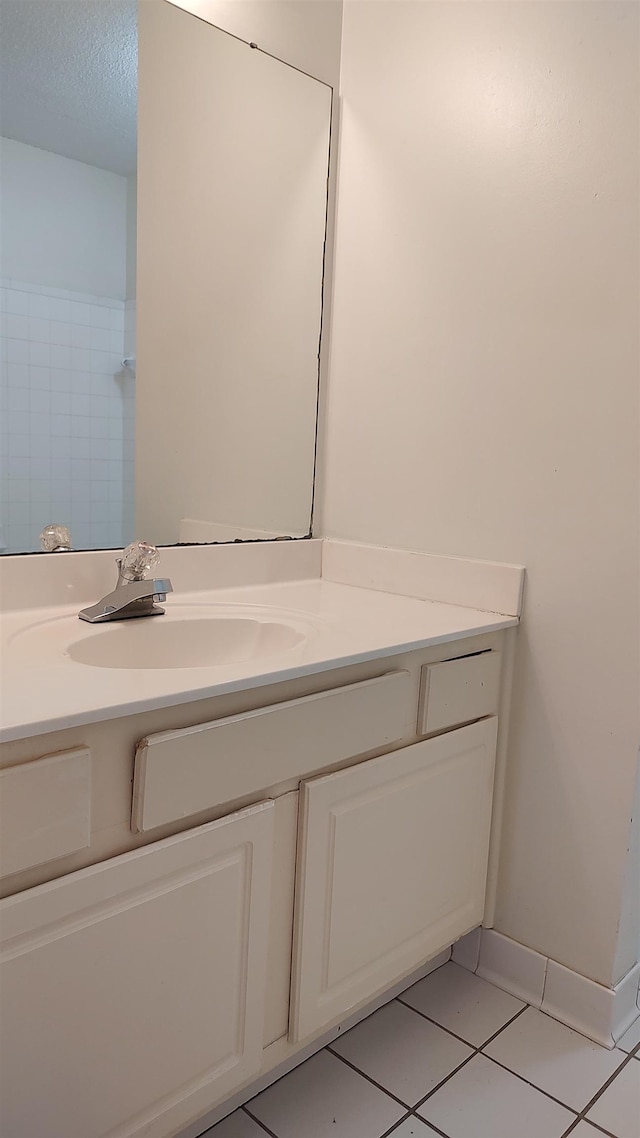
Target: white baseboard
{"x": 503, "y": 961}
{"x": 602, "y": 1014}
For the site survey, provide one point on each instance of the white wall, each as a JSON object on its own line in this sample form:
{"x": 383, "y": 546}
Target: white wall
{"x": 132, "y": 237}
{"x": 483, "y": 397}
{"x": 63, "y": 222}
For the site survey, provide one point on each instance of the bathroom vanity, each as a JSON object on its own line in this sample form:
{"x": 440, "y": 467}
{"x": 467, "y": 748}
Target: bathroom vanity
{"x": 204, "y": 878}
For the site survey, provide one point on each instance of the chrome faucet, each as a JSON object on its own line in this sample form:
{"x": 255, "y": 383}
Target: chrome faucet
{"x": 134, "y": 594}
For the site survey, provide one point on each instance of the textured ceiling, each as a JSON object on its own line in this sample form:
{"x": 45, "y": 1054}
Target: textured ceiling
{"x": 69, "y": 78}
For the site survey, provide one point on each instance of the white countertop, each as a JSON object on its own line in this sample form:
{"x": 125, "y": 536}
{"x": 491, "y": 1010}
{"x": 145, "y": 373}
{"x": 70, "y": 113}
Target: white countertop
{"x": 44, "y": 690}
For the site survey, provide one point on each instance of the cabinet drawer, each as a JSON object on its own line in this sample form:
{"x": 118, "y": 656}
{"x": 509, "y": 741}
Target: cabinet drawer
{"x": 178, "y": 773}
{"x": 392, "y": 865}
{"x": 458, "y": 691}
{"x": 45, "y": 809}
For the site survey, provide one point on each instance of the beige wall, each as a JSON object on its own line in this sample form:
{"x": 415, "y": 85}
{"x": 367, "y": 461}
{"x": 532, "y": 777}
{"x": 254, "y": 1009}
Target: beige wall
{"x": 483, "y": 396}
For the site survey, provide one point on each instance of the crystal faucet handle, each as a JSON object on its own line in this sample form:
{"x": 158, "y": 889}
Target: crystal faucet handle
{"x": 55, "y": 539}
{"x": 138, "y": 559}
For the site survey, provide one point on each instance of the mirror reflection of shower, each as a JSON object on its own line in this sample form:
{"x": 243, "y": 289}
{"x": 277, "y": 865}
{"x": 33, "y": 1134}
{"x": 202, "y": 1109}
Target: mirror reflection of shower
{"x": 68, "y": 268}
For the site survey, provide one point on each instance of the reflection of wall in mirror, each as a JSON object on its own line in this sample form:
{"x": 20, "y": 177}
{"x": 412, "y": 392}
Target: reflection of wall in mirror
{"x": 68, "y": 415}
{"x": 306, "y": 35}
{"x": 233, "y": 151}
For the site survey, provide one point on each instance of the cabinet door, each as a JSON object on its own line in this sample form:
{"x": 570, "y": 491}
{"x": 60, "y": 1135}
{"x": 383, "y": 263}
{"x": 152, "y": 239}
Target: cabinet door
{"x": 132, "y": 992}
{"x": 392, "y": 867}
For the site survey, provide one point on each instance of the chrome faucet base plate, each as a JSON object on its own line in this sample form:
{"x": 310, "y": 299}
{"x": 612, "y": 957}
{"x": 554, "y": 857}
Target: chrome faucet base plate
{"x": 133, "y": 610}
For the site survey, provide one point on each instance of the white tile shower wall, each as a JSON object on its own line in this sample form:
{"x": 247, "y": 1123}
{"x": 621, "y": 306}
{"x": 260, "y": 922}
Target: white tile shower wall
{"x": 63, "y": 406}
{"x": 128, "y": 425}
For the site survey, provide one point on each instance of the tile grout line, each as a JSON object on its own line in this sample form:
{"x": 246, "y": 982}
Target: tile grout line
{"x": 475, "y": 1051}
{"x": 605, "y": 1087}
{"x": 390, "y": 1132}
{"x": 534, "y": 1086}
{"x": 634, "y": 1054}
{"x": 577, "y": 1122}
{"x": 363, "y": 1074}
{"x": 476, "y": 1047}
{"x": 433, "y": 1021}
{"x": 431, "y": 1124}
{"x": 257, "y": 1120}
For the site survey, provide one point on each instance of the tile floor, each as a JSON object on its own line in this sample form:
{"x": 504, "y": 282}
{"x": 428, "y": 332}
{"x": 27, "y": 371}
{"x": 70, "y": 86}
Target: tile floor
{"x": 456, "y": 1057}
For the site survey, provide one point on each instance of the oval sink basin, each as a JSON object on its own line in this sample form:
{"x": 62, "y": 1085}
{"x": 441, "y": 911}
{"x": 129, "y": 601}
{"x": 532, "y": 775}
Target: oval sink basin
{"x": 187, "y": 636}
{"x": 201, "y": 643}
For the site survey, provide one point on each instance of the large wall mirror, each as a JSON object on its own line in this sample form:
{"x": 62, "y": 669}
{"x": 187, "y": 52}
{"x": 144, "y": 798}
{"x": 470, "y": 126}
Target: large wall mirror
{"x": 163, "y": 194}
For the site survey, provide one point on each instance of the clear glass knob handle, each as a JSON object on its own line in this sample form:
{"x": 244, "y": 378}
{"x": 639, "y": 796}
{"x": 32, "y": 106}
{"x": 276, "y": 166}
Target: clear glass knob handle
{"x": 55, "y": 539}
{"x": 138, "y": 559}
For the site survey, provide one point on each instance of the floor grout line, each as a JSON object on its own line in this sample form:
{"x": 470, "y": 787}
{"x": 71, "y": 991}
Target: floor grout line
{"x": 577, "y": 1122}
{"x": 432, "y": 1125}
{"x": 358, "y": 1071}
{"x": 411, "y": 1110}
{"x": 442, "y": 1082}
{"x": 475, "y": 1051}
{"x": 605, "y": 1086}
{"x": 461, "y": 1038}
{"x": 257, "y": 1120}
{"x": 430, "y": 1020}
{"x": 390, "y": 1132}
{"x": 504, "y": 1027}
{"x": 534, "y": 1086}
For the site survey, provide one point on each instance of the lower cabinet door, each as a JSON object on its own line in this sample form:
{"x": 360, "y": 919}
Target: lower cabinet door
{"x": 132, "y": 993}
{"x": 392, "y": 866}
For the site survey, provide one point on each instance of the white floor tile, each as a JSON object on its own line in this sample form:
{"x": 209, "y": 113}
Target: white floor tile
{"x": 585, "y": 1130}
{"x": 630, "y": 1037}
{"x": 462, "y": 1002}
{"x": 236, "y": 1125}
{"x": 554, "y": 1058}
{"x": 414, "y": 1128}
{"x": 485, "y": 1101}
{"x": 402, "y": 1051}
{"x": 323, "y": 1098}
{"x": 618, "y": 1110}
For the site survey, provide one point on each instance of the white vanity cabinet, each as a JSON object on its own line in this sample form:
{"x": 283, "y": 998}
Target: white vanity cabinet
{"x": 132, "y": 993}
{"x": 298, "y": 854}
{"x": 392, "y": 866}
